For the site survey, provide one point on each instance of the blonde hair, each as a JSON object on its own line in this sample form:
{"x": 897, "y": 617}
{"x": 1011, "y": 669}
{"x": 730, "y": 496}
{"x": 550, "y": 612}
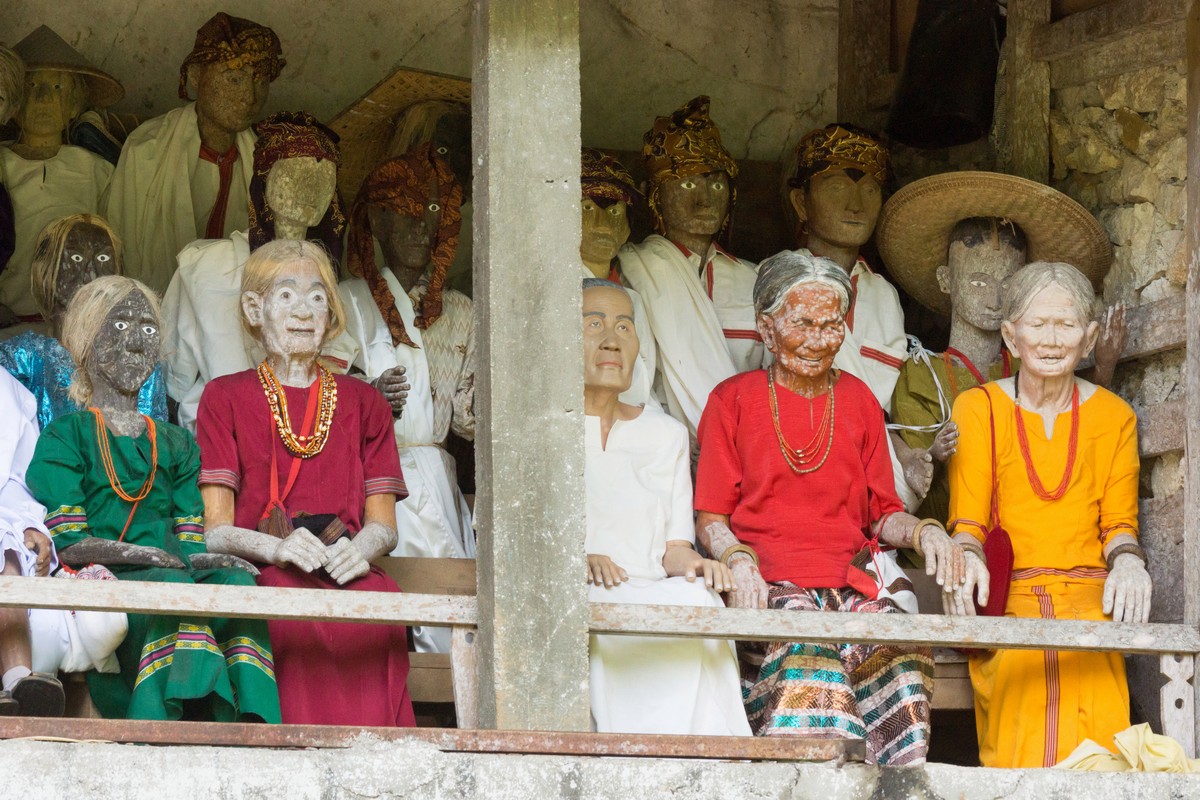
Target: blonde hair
{"x": 47, "y": 257}
{"x": 12, "y": 79}
{"x": 1032, "y": 278}
{"x": 416, "y": 124}
{"x": 86, "y": 315}
{"x": 268, "y": 261}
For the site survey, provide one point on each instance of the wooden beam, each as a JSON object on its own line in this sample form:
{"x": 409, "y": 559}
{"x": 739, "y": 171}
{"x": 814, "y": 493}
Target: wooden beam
{"x": 1142, "y": 48}
{"x": 864, "y": 44}
{"x": 1110, "y": 22}
{"x": 1027, "y": 95}
{"x": 1191, "y": 512}
{"x": 1161, "y": 428}
{"x": 533, "y": 638}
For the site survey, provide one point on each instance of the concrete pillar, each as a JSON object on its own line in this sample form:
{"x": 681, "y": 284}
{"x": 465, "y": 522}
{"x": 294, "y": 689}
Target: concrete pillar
{"x": 1191, "y": 485}
{"x": 533, "y": 614}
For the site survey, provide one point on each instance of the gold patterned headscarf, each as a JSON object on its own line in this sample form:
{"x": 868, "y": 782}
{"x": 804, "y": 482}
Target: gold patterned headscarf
{"x": 237, "y": 43}
{"x": 681, "y": 145}
{"x": 603, "y": 177}
{"x": 839, "y": 146}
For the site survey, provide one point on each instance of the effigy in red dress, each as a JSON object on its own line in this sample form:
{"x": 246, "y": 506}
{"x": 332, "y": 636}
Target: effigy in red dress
{"x": 329, "y": 673}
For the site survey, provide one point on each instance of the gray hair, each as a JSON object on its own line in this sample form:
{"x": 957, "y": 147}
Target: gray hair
{"x": 786, "y": 270}
{"x": 601, "y": 283}
{"x": 1032, "y": 278}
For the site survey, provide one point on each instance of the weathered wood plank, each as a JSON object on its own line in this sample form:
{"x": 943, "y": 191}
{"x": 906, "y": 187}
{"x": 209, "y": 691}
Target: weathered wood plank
{"x": 1161, "y": 428}
{"x": 431, "y": 575}
{"x": 1110, "y": 22}
{"x": 1139, "y": 50}
{"x": 429, "y": 679}
{"x": 919, "y": 629}
{"x": 464, "y": 660}
{"x": 1027, "y": 95}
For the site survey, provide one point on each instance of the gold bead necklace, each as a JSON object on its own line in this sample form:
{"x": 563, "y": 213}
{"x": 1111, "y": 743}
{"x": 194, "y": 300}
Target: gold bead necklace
{"x": 301, "y": 445}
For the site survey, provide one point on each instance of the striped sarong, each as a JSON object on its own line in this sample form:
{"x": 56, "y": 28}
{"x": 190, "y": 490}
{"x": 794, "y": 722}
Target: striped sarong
{"x": 879, "y": 693}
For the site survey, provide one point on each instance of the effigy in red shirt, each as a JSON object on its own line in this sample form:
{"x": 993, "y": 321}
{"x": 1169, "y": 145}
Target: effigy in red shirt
{"x": 805, "y": 528}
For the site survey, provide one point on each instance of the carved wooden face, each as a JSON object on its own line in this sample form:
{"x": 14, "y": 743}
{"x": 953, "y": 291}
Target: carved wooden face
{"x": 806, "y": 332}
{"x": 1052, "y": 336}
{"x": 604, "y": 230}
{"x": 840, "y": 208}
{"x": 407, "y": 241}
{"x": 299, "y": 190}
{"x": 231, "y": 99}
{"x": 52, "y": 99}
{"x": 610, "y": 341}
{"x": 976, "y": 275}
{"x": 87, "y": 254}
{"x": 696, "y": 205}
{"x": 291, "y": 317}
{"x": 452, "y": 141}
{"x": 126, "y": 349}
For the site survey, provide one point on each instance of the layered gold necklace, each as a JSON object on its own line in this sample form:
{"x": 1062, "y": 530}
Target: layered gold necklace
{"x": 301, "y": 445}
{"x": 799, "y": 459}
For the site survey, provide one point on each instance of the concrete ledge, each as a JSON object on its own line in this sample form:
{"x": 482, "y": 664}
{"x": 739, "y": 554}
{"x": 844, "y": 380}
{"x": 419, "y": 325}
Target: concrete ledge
{"x": 376, "y": 769}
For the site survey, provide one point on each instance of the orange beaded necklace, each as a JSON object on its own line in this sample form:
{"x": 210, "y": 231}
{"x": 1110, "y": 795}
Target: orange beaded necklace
{"x": 1072, "y": 446}
{"x": 799, "y": 459}
{"x": 110, "y": 469}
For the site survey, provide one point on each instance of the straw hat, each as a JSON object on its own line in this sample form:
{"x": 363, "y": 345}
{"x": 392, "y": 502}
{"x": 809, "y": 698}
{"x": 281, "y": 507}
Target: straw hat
{"x": 914, "y": 227}
{"x": 365, "y": 126}
{"x": 45, "y": 49}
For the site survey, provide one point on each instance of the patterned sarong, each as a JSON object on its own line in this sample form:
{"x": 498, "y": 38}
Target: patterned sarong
{"x": 851, "y": 691}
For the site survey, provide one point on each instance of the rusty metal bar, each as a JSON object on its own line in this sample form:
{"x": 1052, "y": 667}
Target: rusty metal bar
{"x": 240, "y": 734}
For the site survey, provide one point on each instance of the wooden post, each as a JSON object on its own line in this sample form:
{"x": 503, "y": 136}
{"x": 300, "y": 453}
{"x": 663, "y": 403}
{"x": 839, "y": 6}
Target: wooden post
{"x": 533, "y": 615}
{"x": 864, "y": 56}
{"x": 1191, "y": 514}
{"x": 1027, "y": 98}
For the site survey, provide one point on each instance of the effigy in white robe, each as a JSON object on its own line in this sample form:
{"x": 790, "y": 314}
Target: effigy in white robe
{"x": 202, "y": 333}
{"x": 434, "y": 521}
{"x": 639, "y": 497}
{"x": 641, "y": 387}
{"x": 163, "y": 193}
{"x": 701, "y": 314}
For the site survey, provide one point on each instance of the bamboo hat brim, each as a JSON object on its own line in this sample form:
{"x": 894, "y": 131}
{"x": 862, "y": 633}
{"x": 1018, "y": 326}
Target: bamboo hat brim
{"x": 45, "y": 49}
{"x": 914, "y": 227}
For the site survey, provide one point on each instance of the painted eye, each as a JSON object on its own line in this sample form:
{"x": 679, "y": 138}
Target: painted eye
{"x": 149, "y": 330}
{"x": 121, "y": 325}
{"x": 104, "y": 258}
{"x": 78, "y": 259}
{"x": 434, "y": 207}
{"x": 978, "y": 284}
{"x": 441, "y": 151}
{"x": 717, "y": 186}
{"x": 688, "y": 185}
{"x": 614, "y": 211}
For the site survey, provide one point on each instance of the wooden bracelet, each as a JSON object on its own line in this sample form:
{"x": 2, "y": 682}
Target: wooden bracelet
{"x": 733, "y": 550}
{"x": 916, "y": 540}
{"x": 1121, "y": 550}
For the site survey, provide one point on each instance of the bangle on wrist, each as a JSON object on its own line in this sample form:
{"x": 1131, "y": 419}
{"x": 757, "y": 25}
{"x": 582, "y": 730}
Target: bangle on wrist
{"x": 733, "y": 550}
{"x": 1122, "y": 549}
{"x": 916, "y": 537}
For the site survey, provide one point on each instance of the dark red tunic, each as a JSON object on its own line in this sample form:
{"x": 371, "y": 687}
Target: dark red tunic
{"x": 328, "y": 673}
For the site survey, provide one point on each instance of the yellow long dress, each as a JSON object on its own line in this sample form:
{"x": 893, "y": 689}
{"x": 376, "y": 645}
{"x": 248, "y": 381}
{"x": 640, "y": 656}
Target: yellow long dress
{"x": 1032, "y": 708}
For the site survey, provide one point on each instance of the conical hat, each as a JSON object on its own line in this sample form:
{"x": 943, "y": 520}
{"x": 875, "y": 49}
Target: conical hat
{"x": 45, "y": 49}
{"x": 914, "y": 227}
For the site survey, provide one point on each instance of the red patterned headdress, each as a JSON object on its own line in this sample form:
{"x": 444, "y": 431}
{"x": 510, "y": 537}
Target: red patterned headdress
{"x": 237, "y": 43}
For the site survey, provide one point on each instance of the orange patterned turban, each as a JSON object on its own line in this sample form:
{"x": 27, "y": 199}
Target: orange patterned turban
{"x": 402, "y": 185}
{"x": 684, "y": 144}
{"x": 237, "y": 43}
{"x": 603, "y": 177}
{"x": 839, "y": 146}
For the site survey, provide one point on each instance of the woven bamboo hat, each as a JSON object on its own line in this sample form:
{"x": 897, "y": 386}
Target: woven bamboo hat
{"x": 914, "y": 227}
{"x": 45, "y": 49}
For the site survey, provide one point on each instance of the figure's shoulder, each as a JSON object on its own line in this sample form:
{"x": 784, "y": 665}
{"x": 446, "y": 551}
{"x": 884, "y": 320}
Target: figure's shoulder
{"x": 853, "y": 388}
{"x": 13, "y": 395}
{"x": 656, "y": 422}
{"x": 234, "y": 383}
{"x": 455, "y": 302}
{"x": 1110, "y": 406}
{"x": 734, "y": 388}
{"x": 154, "y": 127}
{"x": 173, "y": 437}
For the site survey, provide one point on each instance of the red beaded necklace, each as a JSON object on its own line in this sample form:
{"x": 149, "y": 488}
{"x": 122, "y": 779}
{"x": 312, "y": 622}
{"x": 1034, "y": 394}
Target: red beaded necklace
{"x": 1072, "y": 447}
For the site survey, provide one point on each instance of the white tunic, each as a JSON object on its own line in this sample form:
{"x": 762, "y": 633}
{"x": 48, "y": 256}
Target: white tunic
{"x": 202, "y": 333}
{"x": 701, "y": 313}
{"x": 162, "y": 191}
{"x": 74, "y": 181}
{"x": 639, "y": 497}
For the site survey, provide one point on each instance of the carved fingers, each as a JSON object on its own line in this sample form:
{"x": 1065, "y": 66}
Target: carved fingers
{"x": 918, "y": 470}
{"x": 302, "y": 550}
{"x": 346, "y": 562}
{"x": 945, "y": 443}
{"x": 394, "y": 386}
{"x": 750, "y": 590}
{"x": 943, "y": 558}
{"x": 603, "y": 571}
{"x": 960, "y": 601}
{"x": 39, "y": 543}
{"x": 222, "y": 561}
{"x": 1127, "y": 590}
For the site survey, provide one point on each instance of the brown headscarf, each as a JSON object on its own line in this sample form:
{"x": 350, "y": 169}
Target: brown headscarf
{"x": 684, "y": 144}
{"x": 839, "y": 146}
{"x": 402, "y": 185}
{"x": 294, "y": 135}
{"x": 237, "y": 43}
{"x": 603, "y": 177}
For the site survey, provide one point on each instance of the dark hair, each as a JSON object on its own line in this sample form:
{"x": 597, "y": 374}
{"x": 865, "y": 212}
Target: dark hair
{"x": 974, "y": 231}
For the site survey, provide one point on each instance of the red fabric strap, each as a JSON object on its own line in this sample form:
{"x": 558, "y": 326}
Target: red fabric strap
{"x": 224, "y": 161}
{"x": 310, "y": 413}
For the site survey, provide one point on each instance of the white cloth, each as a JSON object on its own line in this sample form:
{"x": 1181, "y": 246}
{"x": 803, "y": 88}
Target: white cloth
{"x": 639, "y": 497}
{"x": 641, "y": 387}
{"x": 74, "y": 181}
{"x": 434, "y": 521}
{"x": 162, "y": 188}
{"x": 202, "y": 331}
{"x": 701, "y": 313}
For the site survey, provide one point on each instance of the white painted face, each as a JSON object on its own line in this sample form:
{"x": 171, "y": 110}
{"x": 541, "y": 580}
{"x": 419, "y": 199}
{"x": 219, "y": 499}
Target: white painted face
{"x": 293, "y": 314}
{"x": 610, "y": 342}
{"x": 299, "y": 190}
{"x": 806, "y": 332}
{"x": 1051, "y": 337}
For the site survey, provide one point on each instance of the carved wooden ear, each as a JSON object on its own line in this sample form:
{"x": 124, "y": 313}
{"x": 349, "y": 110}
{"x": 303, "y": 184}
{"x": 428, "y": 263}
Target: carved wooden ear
{"x": 193, "y": 79}
{"x": 766, "y": 331}
{"x": 798, "y": 199}
{"x": 252, "y": 308}
{"x": 943, "y": 278}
